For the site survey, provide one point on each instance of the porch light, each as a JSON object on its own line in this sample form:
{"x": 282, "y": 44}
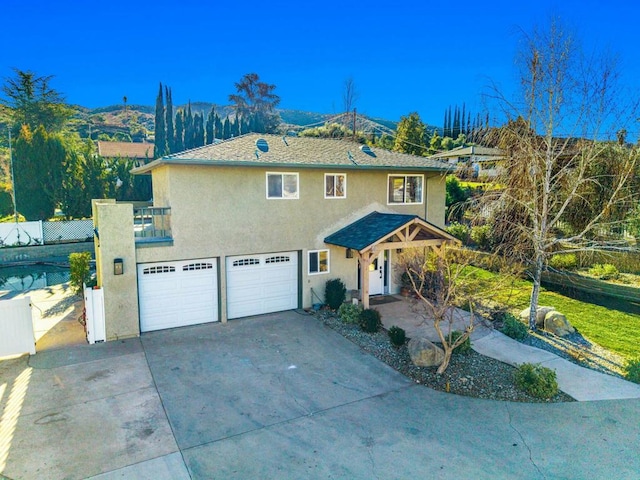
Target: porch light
{"x": 118, "y": 266}
{"x": 349, "y": 253}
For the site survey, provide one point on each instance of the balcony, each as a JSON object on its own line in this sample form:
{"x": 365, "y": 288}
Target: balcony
{"x": 152, "y": 226}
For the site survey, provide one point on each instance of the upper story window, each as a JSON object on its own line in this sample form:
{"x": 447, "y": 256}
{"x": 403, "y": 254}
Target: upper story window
{"x": 282, "y": 185}
{"x": 335, "y": 185}
{"x": 405, "y": 189}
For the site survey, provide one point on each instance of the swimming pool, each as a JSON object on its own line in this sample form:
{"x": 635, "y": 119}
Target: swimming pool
{"x": 21, "y": 278}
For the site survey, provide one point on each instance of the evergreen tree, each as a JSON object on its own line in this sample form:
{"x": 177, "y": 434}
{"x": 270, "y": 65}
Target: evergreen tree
{"x": 258, "y": 99}
{"x": 178, "y": 140}
{"x": 235, "y": 127}
{"x": 198, "y": 130}
{"x": 209, "y": 126}
{"x": 410, "y": 136}
{"x": 171, "y": 146}
{"x": 217, "y": 127}
{"x": 189, "y": 133}
{"x": 462, "y": 118}
{"x": 39, "y": 160}
{"x": 160, "y": 129}
{"x": 226, "y": 129}
{"x": 444, "y": 124}
{"x": 449, "y": 131}
{"x": 455, "y": 131}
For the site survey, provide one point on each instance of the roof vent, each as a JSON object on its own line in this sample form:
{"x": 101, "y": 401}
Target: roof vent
{"x": 366, "y": 149}
{"x": 262, "y": 145}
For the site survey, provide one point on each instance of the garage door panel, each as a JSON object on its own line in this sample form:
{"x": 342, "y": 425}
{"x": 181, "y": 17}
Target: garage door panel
{"x": 175, "y": 294}
{"x": 265, "y": 283}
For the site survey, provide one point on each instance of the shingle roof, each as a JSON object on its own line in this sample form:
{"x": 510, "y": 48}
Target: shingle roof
{"x": 125, "y": 149}
{"x": 297, "y": 152}
{"x": 374, "y": 227}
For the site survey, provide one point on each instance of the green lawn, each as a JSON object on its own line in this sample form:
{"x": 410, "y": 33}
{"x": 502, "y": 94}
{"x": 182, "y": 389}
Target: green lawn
{"x": 614, "y": 330}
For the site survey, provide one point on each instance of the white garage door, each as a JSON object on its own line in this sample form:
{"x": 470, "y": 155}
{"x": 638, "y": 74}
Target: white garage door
{"x": 262, "y": 283}
{"x": 175, "y": 294}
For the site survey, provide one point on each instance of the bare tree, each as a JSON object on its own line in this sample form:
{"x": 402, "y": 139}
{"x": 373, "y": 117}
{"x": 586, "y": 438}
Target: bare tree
{"x": 566, "y": 179}
{"x": 349, "y": 94}
{"x": 443, "y": 279}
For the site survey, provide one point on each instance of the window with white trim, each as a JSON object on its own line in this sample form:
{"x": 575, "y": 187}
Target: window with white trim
{"x": 318, "y": 262}
{"x": 335, "y": 185}
{"x": 282, "y": 185}
{"x": 405, "y": 189}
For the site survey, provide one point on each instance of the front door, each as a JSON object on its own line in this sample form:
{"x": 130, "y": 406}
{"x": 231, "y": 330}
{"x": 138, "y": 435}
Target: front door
{"x": 376, "y": 275}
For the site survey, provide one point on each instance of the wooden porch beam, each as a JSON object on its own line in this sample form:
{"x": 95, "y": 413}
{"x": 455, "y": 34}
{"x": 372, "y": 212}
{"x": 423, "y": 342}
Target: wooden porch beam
{"x": 380, "y": 247}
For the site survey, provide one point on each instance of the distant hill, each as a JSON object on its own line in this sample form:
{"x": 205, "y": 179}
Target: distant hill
{"x": 136, "y": 122}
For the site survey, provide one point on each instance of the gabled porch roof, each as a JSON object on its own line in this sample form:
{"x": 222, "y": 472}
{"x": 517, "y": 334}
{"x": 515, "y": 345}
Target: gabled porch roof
{"x": 390, "y": 230}
{"x": 377, "y": 232}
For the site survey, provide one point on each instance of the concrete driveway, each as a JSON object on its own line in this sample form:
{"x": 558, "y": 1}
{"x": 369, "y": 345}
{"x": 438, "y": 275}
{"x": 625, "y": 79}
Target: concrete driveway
{"x": 282, "y": 396}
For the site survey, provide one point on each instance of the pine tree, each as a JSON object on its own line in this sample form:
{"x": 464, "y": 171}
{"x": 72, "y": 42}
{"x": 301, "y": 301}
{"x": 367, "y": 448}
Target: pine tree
{"x": 410, "y": 137}
{"x": 160, "y": 129}
{"x": 169, "y": 121}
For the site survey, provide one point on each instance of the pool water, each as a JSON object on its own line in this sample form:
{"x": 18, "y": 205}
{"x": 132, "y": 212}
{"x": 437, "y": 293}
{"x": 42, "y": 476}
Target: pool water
{"x": 21, "y": 278}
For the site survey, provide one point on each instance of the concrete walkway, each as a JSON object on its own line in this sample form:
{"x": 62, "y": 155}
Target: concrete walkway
{"x": 581, "y": 383}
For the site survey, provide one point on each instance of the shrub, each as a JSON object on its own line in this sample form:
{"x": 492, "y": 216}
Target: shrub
{"x": 564, "y": 261}
{"x": 632, "y": 370}
{"x": 334, "y": 293}
{"x": 369, "y": 320}
{"x": 481, "y": 236}
{"x": 79, "y": 267}
{"x": 460, "y": 231}
{"x": 349, "y": 313}
{"x": 397, "y": 336}
{"x": 464, "y": 347}
{"x": 604, "y": 271}
{"x": 536, "y": 380}
{"x": 514, "y": 328}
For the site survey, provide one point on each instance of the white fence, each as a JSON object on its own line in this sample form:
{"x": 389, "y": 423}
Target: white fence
{"x": 16, "y": 327}
{"x": 94, "y": 315}
{"x": 22, "y": 233}
{"x": 39, "y": 233}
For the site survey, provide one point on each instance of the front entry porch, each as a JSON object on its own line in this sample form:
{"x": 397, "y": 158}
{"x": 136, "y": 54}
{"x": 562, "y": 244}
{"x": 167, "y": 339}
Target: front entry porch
{"x": 375, "y": 235}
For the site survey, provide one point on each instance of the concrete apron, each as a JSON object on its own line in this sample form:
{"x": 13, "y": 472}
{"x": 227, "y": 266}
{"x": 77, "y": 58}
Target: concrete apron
{"x": 282, "y": 396}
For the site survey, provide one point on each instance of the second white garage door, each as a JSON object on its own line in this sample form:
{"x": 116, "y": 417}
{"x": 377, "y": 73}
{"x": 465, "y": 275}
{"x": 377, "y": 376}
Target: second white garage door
{"x": 175, "y": 294}
{"x": 263, "y": 283}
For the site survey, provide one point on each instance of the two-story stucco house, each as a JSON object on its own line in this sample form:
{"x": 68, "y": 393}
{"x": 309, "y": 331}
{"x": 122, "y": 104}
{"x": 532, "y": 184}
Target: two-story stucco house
{"x": 258, "y": 224}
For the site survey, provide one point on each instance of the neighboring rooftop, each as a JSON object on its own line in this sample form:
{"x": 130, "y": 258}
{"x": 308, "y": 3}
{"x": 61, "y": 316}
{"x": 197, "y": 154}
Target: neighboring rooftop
{"x": 470, "y": 151}
{"x": 297, "y": 152}
{"x": 140, "y": 150}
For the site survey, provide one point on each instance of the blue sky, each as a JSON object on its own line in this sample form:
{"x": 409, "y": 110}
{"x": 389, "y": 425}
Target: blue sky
{"x": 416, "y": 56}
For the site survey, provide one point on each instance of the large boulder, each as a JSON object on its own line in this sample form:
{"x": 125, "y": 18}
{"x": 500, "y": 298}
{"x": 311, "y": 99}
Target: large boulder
{"x": 541, "y": 313}
{"x": 423, "y": 353}
{"x": 557, "y": 323}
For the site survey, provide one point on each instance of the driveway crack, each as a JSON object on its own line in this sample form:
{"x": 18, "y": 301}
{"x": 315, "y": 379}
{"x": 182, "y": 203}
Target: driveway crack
{"x": 524, "y": 443}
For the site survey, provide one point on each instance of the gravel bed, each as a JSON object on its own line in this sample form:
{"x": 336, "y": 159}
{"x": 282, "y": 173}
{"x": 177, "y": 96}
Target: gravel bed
{"x": 470, "y": 374}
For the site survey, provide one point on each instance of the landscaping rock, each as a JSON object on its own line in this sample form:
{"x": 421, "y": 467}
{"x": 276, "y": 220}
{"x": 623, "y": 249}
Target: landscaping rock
{"x": 423, "y": 353}
{"x": 541, "y": 313}
{"x": 557, "y": 323}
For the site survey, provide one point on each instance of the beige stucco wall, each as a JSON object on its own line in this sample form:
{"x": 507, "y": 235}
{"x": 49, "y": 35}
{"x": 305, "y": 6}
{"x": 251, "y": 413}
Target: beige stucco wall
{"x": 114, "y": 223}
{"x": 223, "y": 211}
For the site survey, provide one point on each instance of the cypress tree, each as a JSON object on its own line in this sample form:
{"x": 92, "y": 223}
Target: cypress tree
{"x": 444, "y": 125}
{"x": 209, "y": 126}
{"x": 226, "y": 129}
{"x": 160, "y": 129}
{"x": 169, "y": 121}
{"x": 462, "y": 118}
{"x": 456, "y": 124}
{"x": 179, "y": 137}
{"x": 198, "y": 130}
{"x": 217, "y": 127}
{"x": 189, "y": 136}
